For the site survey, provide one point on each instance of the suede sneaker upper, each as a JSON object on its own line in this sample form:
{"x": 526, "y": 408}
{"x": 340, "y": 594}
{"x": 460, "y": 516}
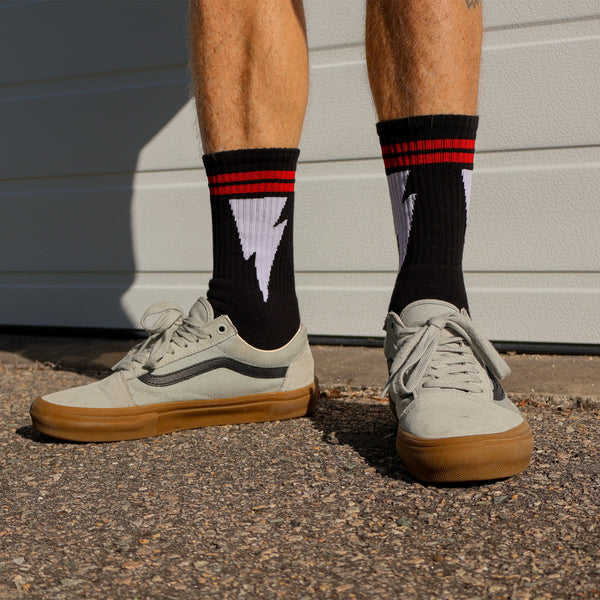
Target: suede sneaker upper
{"x": 444, "y": 389}
{"x": 191, "y": 371}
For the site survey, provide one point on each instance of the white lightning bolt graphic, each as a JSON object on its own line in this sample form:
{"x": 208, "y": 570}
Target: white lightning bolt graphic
{"x": 402, "y": 209}
{"x": 255, "y": 220}
{"x": 467, "y": 177}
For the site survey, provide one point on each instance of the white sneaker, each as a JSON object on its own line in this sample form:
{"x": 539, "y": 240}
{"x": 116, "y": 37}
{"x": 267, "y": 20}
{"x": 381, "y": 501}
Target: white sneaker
{"x": 190, "y": 372}
{"x": 455, "y": 423}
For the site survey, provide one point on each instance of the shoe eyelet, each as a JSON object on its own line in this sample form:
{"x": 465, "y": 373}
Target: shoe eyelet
{"x": 222, "y": 329}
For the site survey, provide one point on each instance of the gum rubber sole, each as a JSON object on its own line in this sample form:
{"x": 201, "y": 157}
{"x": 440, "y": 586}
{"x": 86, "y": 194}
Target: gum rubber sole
{"x": 80, "y": 424}
{"x": 466, "y": 458}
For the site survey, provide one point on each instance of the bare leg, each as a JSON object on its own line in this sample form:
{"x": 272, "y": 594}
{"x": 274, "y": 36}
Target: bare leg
{"x": 250, "y": 67}
{"x": 423, "y": 56}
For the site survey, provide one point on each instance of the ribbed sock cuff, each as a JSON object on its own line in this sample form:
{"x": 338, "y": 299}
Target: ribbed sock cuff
{"x": 427, "y": 128}
{"x": 256, "y": 159}
{"x": 424, "y": 141}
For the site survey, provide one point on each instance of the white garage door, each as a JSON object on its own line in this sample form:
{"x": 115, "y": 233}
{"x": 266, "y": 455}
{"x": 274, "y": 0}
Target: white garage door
{"x": 105, "y": 207}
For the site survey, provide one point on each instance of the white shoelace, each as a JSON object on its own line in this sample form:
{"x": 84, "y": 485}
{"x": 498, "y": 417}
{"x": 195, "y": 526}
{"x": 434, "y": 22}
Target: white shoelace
{"x": 169, "y": 327}
{"x": 443, "y": 353}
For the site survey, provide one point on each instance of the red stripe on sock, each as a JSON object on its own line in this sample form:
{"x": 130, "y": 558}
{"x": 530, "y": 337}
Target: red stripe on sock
{"x": 252, "y": 188}
{"x": 410, "y": 160}
{"x": 251, "y": 176}
{"x": 425, "y": 145}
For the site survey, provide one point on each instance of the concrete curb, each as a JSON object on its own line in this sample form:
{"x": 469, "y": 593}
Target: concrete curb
{"x": 559, "y": 381}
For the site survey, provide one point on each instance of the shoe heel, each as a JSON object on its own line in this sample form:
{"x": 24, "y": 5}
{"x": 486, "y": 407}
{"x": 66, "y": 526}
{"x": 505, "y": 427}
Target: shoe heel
{"x": 315, "y": 394}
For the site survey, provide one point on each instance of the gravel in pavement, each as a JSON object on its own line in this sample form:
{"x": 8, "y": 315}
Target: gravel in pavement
{"x": 311, "y": 508}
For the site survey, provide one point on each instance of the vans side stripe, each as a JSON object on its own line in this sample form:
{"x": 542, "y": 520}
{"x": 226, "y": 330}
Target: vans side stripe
{"x": 211, "y": 365}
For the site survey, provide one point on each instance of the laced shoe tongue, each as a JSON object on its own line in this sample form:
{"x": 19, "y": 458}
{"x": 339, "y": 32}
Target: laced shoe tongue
{"x": 202, "y": 312}
{"x": 418, "y": 313}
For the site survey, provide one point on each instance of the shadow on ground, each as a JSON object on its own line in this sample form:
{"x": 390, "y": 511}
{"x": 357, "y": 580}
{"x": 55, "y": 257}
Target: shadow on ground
{"x": 85, "y": 355}
{"x": 369, "y": 429}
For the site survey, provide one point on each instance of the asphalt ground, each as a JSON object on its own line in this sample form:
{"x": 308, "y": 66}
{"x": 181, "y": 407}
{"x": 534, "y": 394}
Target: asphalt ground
{"x": 318, "y": 507}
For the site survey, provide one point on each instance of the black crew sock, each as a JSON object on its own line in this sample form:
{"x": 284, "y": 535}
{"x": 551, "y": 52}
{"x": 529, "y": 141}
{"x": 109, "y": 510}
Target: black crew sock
{"x": 429, "y": 163}
{"x": 252, "y": 205}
